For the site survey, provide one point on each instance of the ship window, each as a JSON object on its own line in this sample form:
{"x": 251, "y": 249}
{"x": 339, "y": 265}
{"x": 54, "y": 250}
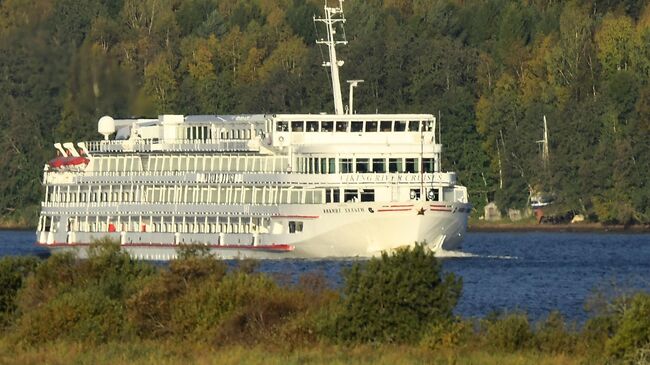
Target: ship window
{"x": 414, "y": 194}
{"x": 368, "y": 195}
{"x": 386, "y": 126}
{"x": 341, "y": 126}
{"x": 332, "y": 166}
{"x": 312, "y": 126}
{"x": 427, "y": 125}
{"x": 282, "y": 126}
{"x": 323, "y": 165}
{"x": 413, "y": 126}
{"x": 327, "y": 126}
{"x": 363, "y": 165}
{"x": 350, "y": 195}
{"x": 371, "y": 126}
{"x": 356, "y": 127}
{"x": 395, "y": 165}
{"x": 379, "y": 165}
{"x": 411, "y": 165}
{"x": 428, "y": 164}
{"x": 336, "y": 196}
{"x": 295, "y": 226}
{"x": 400, "y": 126}
{"x": 328, "y": 195}
{"x": 346, "y": 165}
{"x": 433, "y": 195}
{"x": 316, "y": 165}
{"x": 297, "y": 126}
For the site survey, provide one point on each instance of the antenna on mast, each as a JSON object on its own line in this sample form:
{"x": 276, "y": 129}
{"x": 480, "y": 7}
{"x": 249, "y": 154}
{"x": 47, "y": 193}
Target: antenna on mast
{"x": 353, "y": 84}
{"x": 333, "y": 15}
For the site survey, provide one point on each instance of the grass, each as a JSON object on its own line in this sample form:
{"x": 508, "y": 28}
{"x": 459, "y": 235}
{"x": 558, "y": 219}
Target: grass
{"x": 150, "y": 352}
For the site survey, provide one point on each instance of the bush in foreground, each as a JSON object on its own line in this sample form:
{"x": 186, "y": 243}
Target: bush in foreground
{"x": 631, "y": 341}
{"x": 79, "y": 300}
{"x": 13, "y": 271}
{"x": 391, "y": 299}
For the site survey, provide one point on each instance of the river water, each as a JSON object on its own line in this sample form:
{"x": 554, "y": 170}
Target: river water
{"x": 535, "y": 272}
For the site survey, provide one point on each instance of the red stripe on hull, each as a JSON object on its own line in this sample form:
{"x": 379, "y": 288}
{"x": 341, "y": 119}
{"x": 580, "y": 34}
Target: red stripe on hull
{"x": 394, "y": 210}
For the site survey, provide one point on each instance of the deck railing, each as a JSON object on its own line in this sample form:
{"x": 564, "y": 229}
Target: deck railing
{"x": 176, "y": 145}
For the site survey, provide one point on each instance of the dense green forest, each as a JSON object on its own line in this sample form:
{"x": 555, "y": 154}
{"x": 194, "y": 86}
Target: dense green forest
{"x": 492, "y": 69}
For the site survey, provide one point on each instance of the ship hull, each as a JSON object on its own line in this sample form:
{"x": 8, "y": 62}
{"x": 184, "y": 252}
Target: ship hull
{"x": 344, "y": 230}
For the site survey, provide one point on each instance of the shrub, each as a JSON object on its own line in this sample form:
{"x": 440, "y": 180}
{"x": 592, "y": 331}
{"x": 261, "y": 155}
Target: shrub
{"x": 260, "y": 318}
{"x": 394, "y": 297}
{"x": 84, "y": 315}
{"x": 447, "y": 335}
{"x": 193, "y": 274}
{"x": 552, "y": 335}
{"x": 81, "y": 300}
{"x": 508, "y": 333}
{"x": 13, "y": 271}
{"x": 112, "y": 270}
{"x": 633, "y": 332}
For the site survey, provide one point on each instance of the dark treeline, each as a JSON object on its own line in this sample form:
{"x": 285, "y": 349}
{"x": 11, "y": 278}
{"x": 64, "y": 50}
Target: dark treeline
{"x": 401, "y": 299}
{"x": 492, "y": 69}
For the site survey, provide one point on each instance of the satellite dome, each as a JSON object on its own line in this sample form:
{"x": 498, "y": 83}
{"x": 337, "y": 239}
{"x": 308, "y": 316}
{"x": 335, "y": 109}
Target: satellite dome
{"x": 106, "y": 126}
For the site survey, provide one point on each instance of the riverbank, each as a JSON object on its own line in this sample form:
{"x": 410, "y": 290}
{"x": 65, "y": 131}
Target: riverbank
{"x": 20, "y": 219}
{"x": 532, "y": 226}
{"x": 13, "y": 225}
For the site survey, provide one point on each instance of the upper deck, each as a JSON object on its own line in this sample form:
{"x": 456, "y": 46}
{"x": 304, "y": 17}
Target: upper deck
{"x": 258, "y": 133}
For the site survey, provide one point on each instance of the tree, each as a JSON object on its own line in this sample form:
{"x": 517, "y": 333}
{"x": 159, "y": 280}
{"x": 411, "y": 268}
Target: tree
{"x": 616, "y": 44}
{"x": 160, "y": 85}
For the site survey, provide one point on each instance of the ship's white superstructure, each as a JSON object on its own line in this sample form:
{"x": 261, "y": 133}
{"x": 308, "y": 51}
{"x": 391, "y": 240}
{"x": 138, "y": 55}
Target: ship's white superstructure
{"x": 262, "y": 186}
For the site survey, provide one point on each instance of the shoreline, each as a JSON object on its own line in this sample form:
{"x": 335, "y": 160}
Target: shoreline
{"x": 4, "y": 226}
{"x": 576, "y": 227}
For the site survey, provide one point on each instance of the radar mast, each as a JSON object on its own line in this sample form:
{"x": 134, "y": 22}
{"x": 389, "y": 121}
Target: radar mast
{"x": 333, "y": 15}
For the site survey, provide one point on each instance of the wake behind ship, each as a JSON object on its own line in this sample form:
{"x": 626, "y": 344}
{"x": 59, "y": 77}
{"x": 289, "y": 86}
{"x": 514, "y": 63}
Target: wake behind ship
{"x": 260, "y": 186}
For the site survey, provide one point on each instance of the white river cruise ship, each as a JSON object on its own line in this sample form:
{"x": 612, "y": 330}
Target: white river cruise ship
{"x": 259, "y": 186}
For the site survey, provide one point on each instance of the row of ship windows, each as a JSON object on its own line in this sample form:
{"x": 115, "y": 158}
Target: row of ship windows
{"x": 349, "y": 195}
{"x": 172, "y": 225}
{"x": 204, "y": 133}
{"x": 322, "y": 165}
{"x": 355, "y": 126}
{"x": 191, "y": 163}
{"x": 161, "y": 224}
{"x": 165, "y": 195}
{"x": 214, "y": 195}
{"x": 327, "y": 165}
